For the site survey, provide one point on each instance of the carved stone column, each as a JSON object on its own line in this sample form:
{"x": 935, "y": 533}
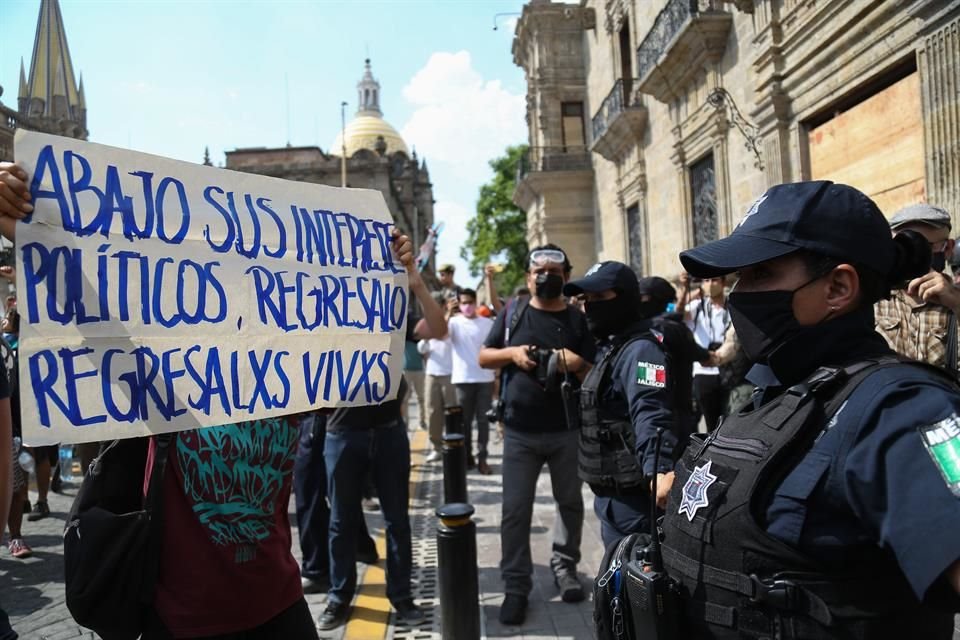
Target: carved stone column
{"x": 938, "y": 59}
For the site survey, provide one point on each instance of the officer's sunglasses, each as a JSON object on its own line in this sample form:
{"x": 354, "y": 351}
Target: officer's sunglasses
{"x": 541, "y": 257}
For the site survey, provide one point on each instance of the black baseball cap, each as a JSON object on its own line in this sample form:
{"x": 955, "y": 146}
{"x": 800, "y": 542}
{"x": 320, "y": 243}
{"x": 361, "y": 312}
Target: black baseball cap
{"x": 822, "y": 217}
{"x": 602, "y": 276}
{"x": 658, "y": 289}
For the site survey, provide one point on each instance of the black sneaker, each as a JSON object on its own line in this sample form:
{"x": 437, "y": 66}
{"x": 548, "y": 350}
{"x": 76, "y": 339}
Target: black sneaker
{"x": 333, "y": 616}
{"x": 513, "y": 610}
{"x": 409, "y": 613}
{"x": 570, "y": 588}
{"x": 315, "y": 585}
{"x": 40, "y": 511}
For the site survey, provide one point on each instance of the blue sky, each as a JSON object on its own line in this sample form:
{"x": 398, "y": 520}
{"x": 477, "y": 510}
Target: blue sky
{"x": 173, "y": 77}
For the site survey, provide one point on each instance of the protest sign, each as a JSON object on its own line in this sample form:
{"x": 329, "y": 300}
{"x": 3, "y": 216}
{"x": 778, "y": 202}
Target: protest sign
{"x": 158, "y": 295}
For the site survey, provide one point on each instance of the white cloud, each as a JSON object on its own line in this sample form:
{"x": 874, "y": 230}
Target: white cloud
{"x": 460, "y": 118}
{"x": 460, "y": 122}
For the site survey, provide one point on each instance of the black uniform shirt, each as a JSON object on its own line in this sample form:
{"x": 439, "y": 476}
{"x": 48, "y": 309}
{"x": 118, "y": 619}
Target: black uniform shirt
{"x": 640, "y": 388}
{"x": 885, "y": 470}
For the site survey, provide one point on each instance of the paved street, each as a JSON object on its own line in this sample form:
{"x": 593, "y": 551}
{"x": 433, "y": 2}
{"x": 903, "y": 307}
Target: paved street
{"x": 32, "y": 590}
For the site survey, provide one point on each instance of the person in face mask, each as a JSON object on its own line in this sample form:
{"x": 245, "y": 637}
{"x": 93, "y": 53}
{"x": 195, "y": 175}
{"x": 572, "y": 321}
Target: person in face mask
{"x": 539, "y": 425}
{"x": 624, "y": 399}
{"x": 474, "y": 384}
{"x": 828, "y": 506}
{"x": 920, "y": 318}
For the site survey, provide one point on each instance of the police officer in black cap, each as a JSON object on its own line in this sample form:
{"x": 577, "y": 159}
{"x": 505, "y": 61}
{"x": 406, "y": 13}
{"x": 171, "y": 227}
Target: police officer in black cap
{"x": 624, "y": 398}
{"x": 656, "y": 297}
{"x": 830, "y": 506}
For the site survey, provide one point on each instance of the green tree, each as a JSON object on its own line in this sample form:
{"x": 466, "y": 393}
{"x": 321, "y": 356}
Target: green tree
{"x": 500, "y": 227}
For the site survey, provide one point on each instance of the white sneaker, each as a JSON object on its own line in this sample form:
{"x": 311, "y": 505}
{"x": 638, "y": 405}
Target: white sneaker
{"x": 434, "y": 456}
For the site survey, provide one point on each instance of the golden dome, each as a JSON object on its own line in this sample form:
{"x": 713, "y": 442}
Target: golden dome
{"x": 362, "y": 132}
{"x": 368, "y": 125}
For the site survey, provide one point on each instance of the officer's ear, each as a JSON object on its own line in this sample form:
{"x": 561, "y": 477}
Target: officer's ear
{"x": 843, "y": 289}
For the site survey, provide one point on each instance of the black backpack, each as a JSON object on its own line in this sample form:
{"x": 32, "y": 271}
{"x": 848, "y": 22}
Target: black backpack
{"x": 111, "y": 542}
{"x": 611, "y": 610}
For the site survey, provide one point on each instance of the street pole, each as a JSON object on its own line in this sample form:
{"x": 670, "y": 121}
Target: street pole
{"x": 343, "y": 144}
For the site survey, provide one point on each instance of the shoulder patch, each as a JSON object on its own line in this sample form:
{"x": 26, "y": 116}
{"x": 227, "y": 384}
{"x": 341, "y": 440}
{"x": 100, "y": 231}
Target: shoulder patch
{"x": 942, "y": 441}
{"x": 651, "y": 375}
{"x": 657, "y": 335}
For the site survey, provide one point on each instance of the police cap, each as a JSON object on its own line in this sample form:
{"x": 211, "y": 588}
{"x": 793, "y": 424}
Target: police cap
{"x": 830, "y": 219}
{"x": 602, "y": 276}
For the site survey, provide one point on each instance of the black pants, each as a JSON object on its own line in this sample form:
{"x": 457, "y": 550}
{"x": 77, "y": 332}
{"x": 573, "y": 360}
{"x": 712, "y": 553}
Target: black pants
{"x": 710, "y": 399}
{"x": 294, "y": 623}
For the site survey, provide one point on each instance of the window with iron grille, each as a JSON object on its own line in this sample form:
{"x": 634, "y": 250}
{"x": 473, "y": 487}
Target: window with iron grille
{"x": 635, "y": 238}
{"x": 703, "y": 191}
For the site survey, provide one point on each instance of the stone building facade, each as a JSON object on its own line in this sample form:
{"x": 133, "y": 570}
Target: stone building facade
{"x": 376, "y": 158}
{"x": 692, "y": 108}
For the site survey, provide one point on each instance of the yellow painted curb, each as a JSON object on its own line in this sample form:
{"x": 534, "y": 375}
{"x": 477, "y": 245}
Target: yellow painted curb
{"x": 371, "y": 609}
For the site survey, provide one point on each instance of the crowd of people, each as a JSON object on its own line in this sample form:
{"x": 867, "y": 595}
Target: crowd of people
{"x": 775, "y": 399}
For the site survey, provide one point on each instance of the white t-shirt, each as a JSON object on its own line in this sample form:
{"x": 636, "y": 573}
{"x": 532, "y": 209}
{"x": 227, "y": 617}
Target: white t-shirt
{"x": 709, "y": 323}
{"x": 439, "y": 358}
{"x": 467, "y": 336}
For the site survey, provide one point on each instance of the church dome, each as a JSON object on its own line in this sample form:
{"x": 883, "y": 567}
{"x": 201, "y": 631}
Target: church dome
{"x": 368, "y": 125}
{"x": 362, "y": 133}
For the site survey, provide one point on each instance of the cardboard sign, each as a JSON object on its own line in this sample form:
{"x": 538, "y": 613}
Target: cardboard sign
{"x": 158, "y": 295}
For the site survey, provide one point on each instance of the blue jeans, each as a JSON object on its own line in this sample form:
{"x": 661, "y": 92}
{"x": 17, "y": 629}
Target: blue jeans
{"x": 310, "y": 494}
{"x": 349, "y": 454}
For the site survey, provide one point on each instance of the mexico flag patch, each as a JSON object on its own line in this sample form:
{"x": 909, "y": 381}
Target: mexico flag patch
{"x": 942, "y": 441}
{"x": 651, "y": 375}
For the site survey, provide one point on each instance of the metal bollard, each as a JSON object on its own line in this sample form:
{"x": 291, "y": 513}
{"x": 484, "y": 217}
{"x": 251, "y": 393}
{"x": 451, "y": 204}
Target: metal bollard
{"x": 454, "y": 468}
{"x": 453, "y": 420}
{"x": 459, "y": 591}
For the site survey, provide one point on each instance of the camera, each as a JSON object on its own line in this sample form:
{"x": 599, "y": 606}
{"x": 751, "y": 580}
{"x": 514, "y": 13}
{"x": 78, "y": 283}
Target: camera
{"x": 541, "y": 371}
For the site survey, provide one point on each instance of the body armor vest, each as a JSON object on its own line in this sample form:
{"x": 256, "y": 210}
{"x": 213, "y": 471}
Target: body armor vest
{"x": 738, "y": 581}
{"x": 607, "y": 458}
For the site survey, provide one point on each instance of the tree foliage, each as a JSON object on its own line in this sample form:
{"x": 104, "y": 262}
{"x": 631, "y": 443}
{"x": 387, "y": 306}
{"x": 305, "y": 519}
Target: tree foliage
{"x": 499, "y": 229}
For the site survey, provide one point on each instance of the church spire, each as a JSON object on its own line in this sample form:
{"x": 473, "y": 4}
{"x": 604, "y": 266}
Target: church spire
{"x": 23, "y": 82}
{"x": 368, "y": 93}
{"x": 50, "y": 96}
{"x": 51, "y": 86}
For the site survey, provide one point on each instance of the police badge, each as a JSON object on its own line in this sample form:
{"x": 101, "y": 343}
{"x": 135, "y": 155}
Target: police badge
{"x": 695, "y": 490}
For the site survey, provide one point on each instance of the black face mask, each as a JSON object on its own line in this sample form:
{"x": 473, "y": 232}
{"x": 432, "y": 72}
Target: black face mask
{"x": 607, "y": 317}
{"x": 549, "y": 286}
{"x": 764, "y": 320}
{"x": 938, "y": 261}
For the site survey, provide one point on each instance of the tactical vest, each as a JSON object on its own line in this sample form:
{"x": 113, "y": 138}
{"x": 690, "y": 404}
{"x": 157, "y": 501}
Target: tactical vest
{"x": 736, "y": 580}
{"x": 607, "y": 457}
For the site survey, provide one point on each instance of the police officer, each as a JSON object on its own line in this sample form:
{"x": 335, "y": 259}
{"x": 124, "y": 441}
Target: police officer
{"x": 623, "y": 400}
{"x": 658, "y": 302}
{"x": 829, "y": 507}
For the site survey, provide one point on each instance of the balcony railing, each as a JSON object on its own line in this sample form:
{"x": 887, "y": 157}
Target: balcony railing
{"x": 620, "y": 121}
{"x": 672, "y": 31}
{"x": 569, "y": 158}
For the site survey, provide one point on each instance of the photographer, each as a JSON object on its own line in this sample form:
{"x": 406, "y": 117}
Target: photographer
{"x": 535, "y": 417}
